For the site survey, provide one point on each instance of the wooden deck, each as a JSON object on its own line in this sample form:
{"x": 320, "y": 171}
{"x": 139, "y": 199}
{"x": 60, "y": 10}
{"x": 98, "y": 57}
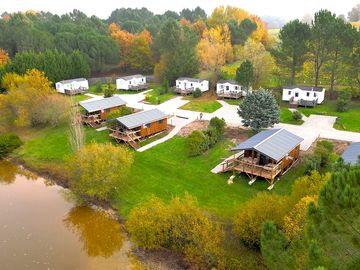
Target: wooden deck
{"x": 235, "y": 95}
{"x": 139, "y": 87}
{"x": 129, "y": 137}
{"x": 75, "y": 92}
{"x": 93, "y": 120}
{"x": 252, "y": 169}
{"x": 183, "y": 92}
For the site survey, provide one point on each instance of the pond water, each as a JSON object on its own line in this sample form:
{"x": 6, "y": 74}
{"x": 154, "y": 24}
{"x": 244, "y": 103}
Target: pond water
{"x": 39, "y": 229}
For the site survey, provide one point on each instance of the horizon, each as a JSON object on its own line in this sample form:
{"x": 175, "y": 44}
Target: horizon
{"x": 103, "y": 9}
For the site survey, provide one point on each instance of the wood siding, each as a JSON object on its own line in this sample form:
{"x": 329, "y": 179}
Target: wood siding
{"x": 153, "y": 128}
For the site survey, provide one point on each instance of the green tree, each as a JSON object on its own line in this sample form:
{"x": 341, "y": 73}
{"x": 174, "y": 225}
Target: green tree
{"x": 259, "y": 110}
{"x": 273, "y": 248}
{"x": 241, "y": 32}
{"x": 245, "y": 74}
{"x": 109, "y": 90}
{"x": 291, "y": 54}
{"x": 93, "y": 176}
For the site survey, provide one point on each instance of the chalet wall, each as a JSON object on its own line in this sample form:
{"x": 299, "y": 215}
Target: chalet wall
{"x": 153, "y": 128}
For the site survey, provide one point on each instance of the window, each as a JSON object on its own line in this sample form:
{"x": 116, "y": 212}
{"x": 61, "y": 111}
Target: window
{"x": 129, "y": 82}
{"x": 227, "y": 88}
{"x": 236, "y": 88}
{"x": 315, "y": 95}
{"x": 148, "y": 125}
{"x": 289, "y": 93}
{"x": 191, "y": 84}
{"x": 161, "y": 121}
{"x": 308, "y": 94}
{"x": 296, "y": 94}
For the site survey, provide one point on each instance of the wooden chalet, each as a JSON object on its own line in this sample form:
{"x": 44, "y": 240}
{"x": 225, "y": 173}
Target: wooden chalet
{"x": 96, "y": 111}
{"x": 133, "y": 128}
{"x": 268, "y": 154}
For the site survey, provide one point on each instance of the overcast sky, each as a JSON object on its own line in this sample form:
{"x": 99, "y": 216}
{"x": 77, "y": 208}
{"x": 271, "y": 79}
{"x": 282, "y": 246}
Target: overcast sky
{"x": 287, "y": 9}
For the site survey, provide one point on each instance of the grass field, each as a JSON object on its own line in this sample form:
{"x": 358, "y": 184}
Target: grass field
{"x": 206, "y": 103}
{"x": 233, "y": 101}
{"x": 92, "y": 90}
{"x": 287, "y": 117}
{"x": 156, "y": 97}
{"x": 349, "y": 120}
{"x": 79, "y": 98}
{"x": 164, "y": 171}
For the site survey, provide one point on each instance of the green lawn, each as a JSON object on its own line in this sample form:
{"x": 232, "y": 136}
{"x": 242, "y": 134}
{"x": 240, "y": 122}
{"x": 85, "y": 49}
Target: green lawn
{"x": 79, "y": 98}
{"x": 92, "y": 90}
{"x": 349, "y": 120}
{"x": 156, "y": 97}
{"x": 287, "y": 117}
{"x": 206, "y": 103}
{"x": 233, "y": 101}
{"x": 164, "y": 171}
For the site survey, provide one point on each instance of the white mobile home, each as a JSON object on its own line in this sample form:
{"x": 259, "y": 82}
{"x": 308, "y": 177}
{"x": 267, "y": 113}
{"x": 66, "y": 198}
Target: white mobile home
{"x": 303, "y": 95}
{"x": 132, "y": 82}
{"x": 73, "y": 86}
{"x": 188, "y": 85}
{"x": 229, "y": 89}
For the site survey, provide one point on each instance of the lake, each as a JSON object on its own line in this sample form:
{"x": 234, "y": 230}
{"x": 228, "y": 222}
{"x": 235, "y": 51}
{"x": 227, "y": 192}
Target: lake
{"x": 39, "y": 229}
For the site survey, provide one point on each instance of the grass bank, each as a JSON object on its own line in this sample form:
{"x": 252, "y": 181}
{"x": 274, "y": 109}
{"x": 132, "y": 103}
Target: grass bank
{"x": 207, "y": 103}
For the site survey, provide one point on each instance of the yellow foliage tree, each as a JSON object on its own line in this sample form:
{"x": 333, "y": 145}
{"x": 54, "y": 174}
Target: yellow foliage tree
{"x": 4, "y": 57}
{"x": 98, "y": 170}
{"x": 249, "y": 219}
{"x": 263, "y": 62}
{"x": 180, "y": 226}
{"x": 295, "y": 221}
{"x": 214, "y": 49}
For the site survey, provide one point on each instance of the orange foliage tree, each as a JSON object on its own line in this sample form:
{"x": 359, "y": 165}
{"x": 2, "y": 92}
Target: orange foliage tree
{"x": 4, "y": 57}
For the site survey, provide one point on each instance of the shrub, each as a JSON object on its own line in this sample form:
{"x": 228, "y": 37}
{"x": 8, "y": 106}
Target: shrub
{"x": 179, "y": 226}
{"x": 8, "y": 143}
{"x": 98, "y": 87}
{"x": 197, "y": 93}
{"x": 92, "y": 175}
{"x": 218, "y": 124}
{"x": 249, "y": 219}
{"x": 296, "y": 115}
{"x": 342, "y": 104}
{"x": 196, "y": 143}
{"x": 212, "y": 137}
{"x": 109, "y": 90}
{"x": 322, "y": 157}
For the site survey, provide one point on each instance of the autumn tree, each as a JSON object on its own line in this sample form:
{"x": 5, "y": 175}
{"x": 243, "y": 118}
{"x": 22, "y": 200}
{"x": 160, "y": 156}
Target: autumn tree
{"x": 4, "y": 57}
{"x": 214, "y": 49}
{"x": 262, "y": 61}
{"x": 259, "y": 110}
{"x": 245, "y": 74}
{"x": 93, "y": 176}
{"x": 140, "y": 56}
{"x": 179, "y": 225}
{"x": 291, "y": 54}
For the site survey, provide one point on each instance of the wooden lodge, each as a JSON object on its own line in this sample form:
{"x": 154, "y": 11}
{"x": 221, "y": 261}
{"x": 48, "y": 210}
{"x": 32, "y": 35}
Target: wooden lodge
{"x": 96, "y": 111}
{"x": 268, "y": 154}
{"x": 133, "y": 128}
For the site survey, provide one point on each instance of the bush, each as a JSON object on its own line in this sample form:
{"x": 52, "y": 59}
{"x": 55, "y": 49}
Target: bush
{"x": 197, "y": 93}
{"x": 109, "y": 90}
{"x": 323, "y": 156}
{"x": 98, "y": 87}
{"x": 342, "y": 104}
{"x": 218, "y": 124}
{"x": 179, "y": 226}
{"x": 196, "y": 143}
{"x": 296, "y": 115}
{"x": 8, "y": 143}
{"x": 93, "y": 176}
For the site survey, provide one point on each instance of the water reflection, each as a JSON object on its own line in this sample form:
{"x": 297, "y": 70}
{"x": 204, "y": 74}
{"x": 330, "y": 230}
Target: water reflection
{"x": 8, "y": 172}
{"x": 99, "y": 233}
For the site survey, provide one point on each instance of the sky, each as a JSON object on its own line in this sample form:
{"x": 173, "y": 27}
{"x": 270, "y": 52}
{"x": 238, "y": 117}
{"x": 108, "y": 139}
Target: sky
{"x": 286, "y": 9}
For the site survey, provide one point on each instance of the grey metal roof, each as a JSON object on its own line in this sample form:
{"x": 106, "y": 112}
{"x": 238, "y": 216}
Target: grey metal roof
{"x": 141, "y": 118}
{"x": 73, "y": 80}
{"x": 128, "y": 78}
{"x": 274, "y": 143}
{"x": 102, "y": 104}
{"x": 228, "y": 81}
{"x": 305, "y": 88}
{"x": 189, "y": 79}
{"x": 352, "y": 153}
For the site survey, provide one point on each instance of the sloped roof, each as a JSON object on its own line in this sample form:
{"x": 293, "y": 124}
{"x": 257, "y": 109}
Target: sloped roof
{"x": 141, "y": 118}
{"x": 305, "y": 88}
{"x": 128, "y": 78}
{"x": 228, "y": 81}
{"x": 73, "y": 80}
{"x": 352, "y": 153}
{"x": 102, "y": 104}
{"x": 274, "y": 143}
{"x": 189, "y": 79}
